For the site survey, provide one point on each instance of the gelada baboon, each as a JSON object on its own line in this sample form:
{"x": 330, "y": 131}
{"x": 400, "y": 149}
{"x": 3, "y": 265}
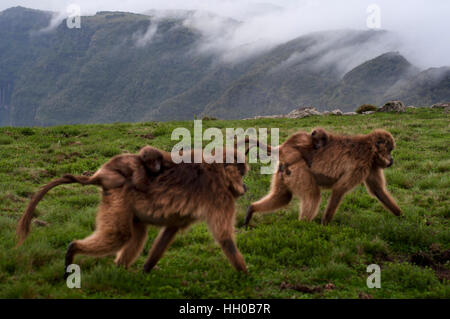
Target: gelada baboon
{"x": 301, "y": 146}
{"x": 136, "y": 170}
{"x": 133, "y": 168}
{"x": 179, "y": 196}
{"x": 345, "y": 162}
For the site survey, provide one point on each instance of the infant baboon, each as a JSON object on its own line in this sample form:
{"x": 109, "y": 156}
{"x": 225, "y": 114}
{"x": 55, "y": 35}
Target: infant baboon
{"x": 132, "y": 168}
{"x": 301, "y": 146}
{"x": 344, "y": 163}
{"x": 178, "y": 196}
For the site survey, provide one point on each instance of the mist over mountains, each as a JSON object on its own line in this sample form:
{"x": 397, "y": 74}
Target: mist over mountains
{"x": 159, "y": 66}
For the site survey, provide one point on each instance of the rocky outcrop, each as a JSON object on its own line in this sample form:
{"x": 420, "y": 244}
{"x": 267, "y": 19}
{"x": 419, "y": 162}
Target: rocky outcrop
{"x": 393, "y": 106}
{"x": 441, "y": 105}
{"x": 303, "y": 112}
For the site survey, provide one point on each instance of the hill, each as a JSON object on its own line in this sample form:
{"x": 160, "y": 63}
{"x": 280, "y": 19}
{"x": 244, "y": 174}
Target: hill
{"x": 287, "y": 258}
{"x": 130, "y": 67}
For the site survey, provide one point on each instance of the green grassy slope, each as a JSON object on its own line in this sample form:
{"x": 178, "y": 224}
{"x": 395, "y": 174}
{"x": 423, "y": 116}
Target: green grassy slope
{"x": 285, "y": 256}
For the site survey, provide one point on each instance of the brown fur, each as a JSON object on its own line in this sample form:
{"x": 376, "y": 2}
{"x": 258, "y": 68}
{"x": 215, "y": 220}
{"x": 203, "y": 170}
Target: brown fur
{"x": 301, "y": 146}
{"x": 135, "y": 170}
{"x": 123, "y": 168}
{"x": 179, "y": 196}
{"x": 345, "y": 162}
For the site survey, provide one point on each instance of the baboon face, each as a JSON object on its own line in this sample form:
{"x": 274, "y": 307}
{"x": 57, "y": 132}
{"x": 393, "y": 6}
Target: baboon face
{"x": 152, "y": 158}
{"x": 319, "y": 138}
{"x": 384, "y": 143}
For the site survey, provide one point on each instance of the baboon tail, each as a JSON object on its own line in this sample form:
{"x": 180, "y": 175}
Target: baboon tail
{"x": 23, "y": 227}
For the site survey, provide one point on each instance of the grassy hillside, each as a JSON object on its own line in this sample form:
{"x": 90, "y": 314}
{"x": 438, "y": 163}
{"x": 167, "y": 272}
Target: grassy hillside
{"x": 287, "y": 258}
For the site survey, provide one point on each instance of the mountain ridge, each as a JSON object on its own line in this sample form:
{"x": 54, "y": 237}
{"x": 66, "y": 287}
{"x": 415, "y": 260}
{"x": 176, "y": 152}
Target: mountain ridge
{"x": 117, "y": 68}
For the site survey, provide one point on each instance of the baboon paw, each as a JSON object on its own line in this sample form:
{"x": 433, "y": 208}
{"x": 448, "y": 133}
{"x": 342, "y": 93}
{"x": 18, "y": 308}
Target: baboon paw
{"x": 148, "y": 269}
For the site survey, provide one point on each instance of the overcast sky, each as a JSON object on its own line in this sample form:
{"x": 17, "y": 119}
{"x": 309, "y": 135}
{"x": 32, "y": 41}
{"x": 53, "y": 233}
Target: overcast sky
{"x": 423, "y": 25}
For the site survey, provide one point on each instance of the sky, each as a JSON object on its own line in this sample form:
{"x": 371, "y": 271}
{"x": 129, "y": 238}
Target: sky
{"x": 422, "y": 27}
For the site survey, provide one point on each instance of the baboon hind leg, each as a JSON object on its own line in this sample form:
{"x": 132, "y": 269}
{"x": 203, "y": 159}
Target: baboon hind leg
{"x": 161, "y": 243}
{"x": 333, "y": 204}
{"x": 98, "y": 244}
{"x": 221, "y": 225}
{"x": 113, "y": 230}
{"x": 278, "y": 197}
{"x": 134, "y": 246}
{"x": 309, "y": 202}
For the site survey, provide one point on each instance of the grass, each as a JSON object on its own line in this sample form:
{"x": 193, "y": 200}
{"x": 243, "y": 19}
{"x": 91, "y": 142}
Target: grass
{"x": 287, "y": 258}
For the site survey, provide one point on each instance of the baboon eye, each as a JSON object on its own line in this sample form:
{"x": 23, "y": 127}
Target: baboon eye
{"x": 380, "y": 142}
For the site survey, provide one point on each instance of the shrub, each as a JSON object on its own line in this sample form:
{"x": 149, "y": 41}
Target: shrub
{"x": 365, "y": 108}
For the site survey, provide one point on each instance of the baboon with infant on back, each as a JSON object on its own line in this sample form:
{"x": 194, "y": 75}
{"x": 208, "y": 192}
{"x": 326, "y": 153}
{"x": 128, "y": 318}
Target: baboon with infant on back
{"x": 176, "y": 197}
{"x": 341, "y": 164}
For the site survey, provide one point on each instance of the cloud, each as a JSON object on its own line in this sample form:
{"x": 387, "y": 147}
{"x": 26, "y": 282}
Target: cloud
{"x": 237, "y": 29}
{"x": 55, "y": 21}
{"x": 144, "y": 39}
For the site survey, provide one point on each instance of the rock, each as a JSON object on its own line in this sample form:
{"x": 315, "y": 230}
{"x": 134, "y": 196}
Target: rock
{"x": 411, "y": 107}
{"x": 447, "y": 110}
{"x": 303, "y": 112}
{"x": 368, "y": 112}
{"x": 326, "y": 113}
{"x": 350, "y": 113}
{"x": 336, "y": 112}
{"x": 441, "y": 105}
{"x": 266, "y": 117}
{"x": 393, "y": 106}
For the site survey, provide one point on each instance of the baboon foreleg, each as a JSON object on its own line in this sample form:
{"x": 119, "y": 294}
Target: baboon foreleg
{"x": 233, "y": 254}
{"x": 134, "y": 246}
{"x": 376, "y": 185}
{"x": 161, "y": 243}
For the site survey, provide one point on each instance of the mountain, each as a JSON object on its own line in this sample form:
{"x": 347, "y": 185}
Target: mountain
{"x": 369, "y": 82}
{"x": 122, "y": 66}
{"x": 426, "y": 88}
